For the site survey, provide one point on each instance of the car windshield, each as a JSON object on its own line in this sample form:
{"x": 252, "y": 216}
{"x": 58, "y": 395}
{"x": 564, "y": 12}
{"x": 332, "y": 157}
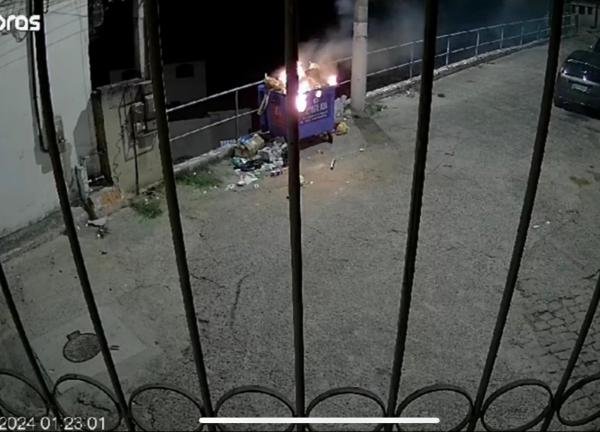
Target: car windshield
{"x": 582, "y": 70}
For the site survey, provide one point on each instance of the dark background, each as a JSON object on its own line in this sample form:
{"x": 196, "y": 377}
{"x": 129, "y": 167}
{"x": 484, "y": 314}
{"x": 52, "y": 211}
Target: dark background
{"x": 241, "y": 40}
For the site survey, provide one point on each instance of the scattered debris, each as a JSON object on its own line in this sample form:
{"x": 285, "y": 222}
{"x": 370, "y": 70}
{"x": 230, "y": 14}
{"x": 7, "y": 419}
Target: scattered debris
{"x": 269, "y": 160}
{"x": 230, "y": 187}
{"x": 249, "y": 146}
{"x": 115, "y": 347}
{"x": 246, "y": 179}
{"x": 361, "y": 149}
{"x": 332, "y": 164}
{"x": 302, "y": 180}
{"x": 441, "y": 95}
{"x": 342, "y": 128}
{"x": 340, "y": 105}
{"x": 228, "y": 142}
{"x": 98, "y": 223}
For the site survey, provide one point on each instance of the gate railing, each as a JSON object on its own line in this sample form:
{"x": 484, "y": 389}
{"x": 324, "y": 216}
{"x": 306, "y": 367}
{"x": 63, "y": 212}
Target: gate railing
{"x": 468, "y": 44}
{"x": 478, "y": 406}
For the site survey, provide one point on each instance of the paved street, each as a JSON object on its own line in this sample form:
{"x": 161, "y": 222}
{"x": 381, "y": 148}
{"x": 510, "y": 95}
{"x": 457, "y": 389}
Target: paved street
{"x": 354, "y": 231}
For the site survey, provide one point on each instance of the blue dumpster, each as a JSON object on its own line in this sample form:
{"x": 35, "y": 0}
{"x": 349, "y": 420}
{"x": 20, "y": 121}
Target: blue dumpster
{"x": 317, "y": 119}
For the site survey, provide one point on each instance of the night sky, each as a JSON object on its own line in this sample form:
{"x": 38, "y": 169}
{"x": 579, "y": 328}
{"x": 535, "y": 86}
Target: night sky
{"x": 241, "y": 40}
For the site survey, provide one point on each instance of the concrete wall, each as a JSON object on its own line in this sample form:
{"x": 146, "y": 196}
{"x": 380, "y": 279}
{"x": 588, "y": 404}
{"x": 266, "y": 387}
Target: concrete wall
{"x": 586, "y": 11}
{"x": 116, "y": 100}
{"x": 202, "y": 142}
{"x": 27, "y": 191}
{"x": 185, "y": 89}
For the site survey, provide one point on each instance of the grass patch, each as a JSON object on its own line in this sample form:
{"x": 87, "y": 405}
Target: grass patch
{"x": 199, "y": 179}
{"x": 147, "y": 206}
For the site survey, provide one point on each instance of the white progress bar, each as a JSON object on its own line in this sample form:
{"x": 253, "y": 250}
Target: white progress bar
{"x": 319, "y": 420}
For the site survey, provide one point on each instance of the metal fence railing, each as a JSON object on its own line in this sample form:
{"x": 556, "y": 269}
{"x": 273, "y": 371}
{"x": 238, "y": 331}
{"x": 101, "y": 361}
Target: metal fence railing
{"x": 450, "y": 48}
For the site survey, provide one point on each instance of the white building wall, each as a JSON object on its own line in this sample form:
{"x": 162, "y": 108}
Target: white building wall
{"x": 27, "y": 191}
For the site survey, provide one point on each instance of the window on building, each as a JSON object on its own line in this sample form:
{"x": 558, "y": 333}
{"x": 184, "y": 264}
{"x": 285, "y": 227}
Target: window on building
{"x": 581, "y": 10}
{"x": 185, "y": 70}
{"x": 590, "y": 10}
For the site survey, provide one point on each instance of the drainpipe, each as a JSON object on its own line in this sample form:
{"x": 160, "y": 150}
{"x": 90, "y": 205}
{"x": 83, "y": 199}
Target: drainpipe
{"x": 358, "y": 83}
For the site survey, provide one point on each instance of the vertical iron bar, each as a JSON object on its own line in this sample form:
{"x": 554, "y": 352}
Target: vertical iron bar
{"x": 583, "y": 332}
{"x": 477, "y": 44}
{"x": 237, "y": 113}
{"x": 12, "y": 307}
{"x": 162, "y": 124}
{"x": 502, "y": 37}
{"x": 418, "y": 181}
{"x": 532, "y": 183}
{"x": 291, "y": 60}
{"x": 522, "y": 34}
{"x": 63, "y": 195}
{"x": 412, "y": 59}
{"x": 447, "y": 50}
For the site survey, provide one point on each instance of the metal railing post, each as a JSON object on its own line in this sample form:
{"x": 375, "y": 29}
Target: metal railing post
{"x": 522, "y": 34}
{"x": 502, "y": 37}
{"x": 412, "y": 60}
{"x": 237, "y": 113}
{"x": 477, "y": 44}
{"x": 448, "y": 50}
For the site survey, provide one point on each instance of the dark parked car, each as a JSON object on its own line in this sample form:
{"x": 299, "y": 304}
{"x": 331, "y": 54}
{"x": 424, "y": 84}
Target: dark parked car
{"x": 578, "y": 83}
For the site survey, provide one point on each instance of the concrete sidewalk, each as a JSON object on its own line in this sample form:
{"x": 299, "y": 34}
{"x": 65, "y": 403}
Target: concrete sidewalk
{"x": 354, "y": 232}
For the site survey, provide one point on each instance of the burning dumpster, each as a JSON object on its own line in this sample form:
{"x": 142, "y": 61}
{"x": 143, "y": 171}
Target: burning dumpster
{"x": 315, "y": 103}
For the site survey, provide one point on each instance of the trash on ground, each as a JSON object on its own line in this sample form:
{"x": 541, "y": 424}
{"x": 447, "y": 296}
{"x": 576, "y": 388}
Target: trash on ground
{"x": 249, "y": 145}
{"x": 98, "y": 223}
{"x": 361, "y": 149}
{"x": 246, "y": 179}
{"x": 302, "y": 180}
{"x": 230, "y": 187}
{"x": 228, "y": 142}
{"x": 332, "y": 164}
{"x": 342, "y": 128}
{"x": 269, "y": 160}
{"x": 340, "y": 105}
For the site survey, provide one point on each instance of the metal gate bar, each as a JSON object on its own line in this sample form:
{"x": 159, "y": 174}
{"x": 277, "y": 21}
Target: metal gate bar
{"x": 65, "y": 206}
{"x": 537, "y": 159}
{"x": 416, "y": 201}
{"x": 291, "y": 61}
{"x": 151, "y": 13}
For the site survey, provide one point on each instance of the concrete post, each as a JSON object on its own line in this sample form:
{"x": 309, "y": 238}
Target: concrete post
{"x": 358, "y": 85}
{"x": 139, "y": 37}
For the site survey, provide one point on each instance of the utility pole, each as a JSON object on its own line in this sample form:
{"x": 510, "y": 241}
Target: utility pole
{"x": 358, "y": 85}
{"x": 139, "y": 37}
